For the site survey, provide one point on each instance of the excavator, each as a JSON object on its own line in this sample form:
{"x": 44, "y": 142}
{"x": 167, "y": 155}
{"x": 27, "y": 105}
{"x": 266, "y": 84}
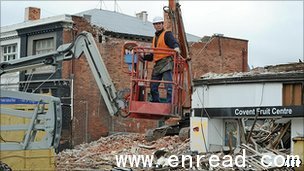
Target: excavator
{"x": 29, "y": 141}
{"x": 41, "y": 128}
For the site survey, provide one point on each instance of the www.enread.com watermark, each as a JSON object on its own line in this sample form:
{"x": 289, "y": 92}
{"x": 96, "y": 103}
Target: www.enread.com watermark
{"x": 228, "y": 161}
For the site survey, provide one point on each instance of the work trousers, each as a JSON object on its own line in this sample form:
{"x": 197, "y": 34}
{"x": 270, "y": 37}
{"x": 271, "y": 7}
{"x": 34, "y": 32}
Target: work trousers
{"x": 166, "y": 76}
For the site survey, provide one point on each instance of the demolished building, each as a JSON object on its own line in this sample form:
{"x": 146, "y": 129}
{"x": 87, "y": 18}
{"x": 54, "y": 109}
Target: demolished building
{"x": 255, "y": 113}
{"x": 85, "y": 115}
{"x": 263, "y": 108}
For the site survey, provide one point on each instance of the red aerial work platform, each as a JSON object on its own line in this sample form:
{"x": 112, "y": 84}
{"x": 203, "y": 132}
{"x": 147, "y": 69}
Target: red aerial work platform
{"x": 139, "y": 98}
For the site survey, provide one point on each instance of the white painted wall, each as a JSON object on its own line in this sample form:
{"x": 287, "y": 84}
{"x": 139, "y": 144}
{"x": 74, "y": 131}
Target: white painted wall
{"x": 198, "y": 126}
{"x": 213, "y": 134}
{"x": 216, "y": 134}
{"x": 238, "y": 95}
{"x": 297, "y": 129}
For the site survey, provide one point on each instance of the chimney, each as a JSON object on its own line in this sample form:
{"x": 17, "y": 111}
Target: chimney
{"x": 32, "y": 13}
{"x": 142, "y": 16}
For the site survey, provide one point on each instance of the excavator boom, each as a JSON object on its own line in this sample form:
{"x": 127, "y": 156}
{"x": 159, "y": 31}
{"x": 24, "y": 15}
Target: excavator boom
{"x": 175, "y": 20}
{"x": 83, "y": 44}
{"x": 26, "y": 134}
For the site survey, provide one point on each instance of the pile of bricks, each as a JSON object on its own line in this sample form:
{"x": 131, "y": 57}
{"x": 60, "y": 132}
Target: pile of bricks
{"x": 101, "y": 154}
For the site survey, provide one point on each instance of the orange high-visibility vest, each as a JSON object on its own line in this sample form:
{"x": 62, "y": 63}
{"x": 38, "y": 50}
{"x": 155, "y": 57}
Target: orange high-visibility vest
{"x": 160, "y": 44}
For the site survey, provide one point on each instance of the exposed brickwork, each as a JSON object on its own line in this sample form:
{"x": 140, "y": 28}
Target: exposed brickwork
{"x": 220, "y": 55}
{"x": 111, "y": 53}
{"x": 88, "y": 124}
{"x": 286, "y": 67}
{"x": 67, "y": 37}
{"x": 91, "y": 119}
{"x": 32, "y": 13}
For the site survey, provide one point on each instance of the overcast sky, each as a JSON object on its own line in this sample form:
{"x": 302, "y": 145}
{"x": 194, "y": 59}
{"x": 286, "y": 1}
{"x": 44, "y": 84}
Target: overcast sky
{"x": 274, "y": 28}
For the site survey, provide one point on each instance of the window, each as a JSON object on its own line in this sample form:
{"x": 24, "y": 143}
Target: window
{"x": 9, "y": 52}
{"x": 42, "y": 46}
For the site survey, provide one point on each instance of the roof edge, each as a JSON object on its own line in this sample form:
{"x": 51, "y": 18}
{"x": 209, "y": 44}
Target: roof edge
{"x": 294, "y": 76}
{"x": 43, "y": 21}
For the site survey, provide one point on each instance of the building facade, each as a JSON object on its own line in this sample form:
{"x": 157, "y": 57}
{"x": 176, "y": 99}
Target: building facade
{"x": 10, "y": 50}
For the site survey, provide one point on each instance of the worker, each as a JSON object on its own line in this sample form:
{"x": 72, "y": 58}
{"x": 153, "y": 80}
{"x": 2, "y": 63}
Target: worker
{"x": 163, "y": 63}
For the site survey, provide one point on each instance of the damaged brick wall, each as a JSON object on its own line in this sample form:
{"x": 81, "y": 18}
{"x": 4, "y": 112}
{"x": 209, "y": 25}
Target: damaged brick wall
{"x": 219, "y": 55}
{"x": 286, "y": 67}
{"x": 91, "y": 119}
{"x": 111, "y": 53}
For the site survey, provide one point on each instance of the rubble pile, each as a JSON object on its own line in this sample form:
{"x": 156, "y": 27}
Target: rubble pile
{"x": 252, "y": 160}
{"x": 259, "y": 71}
{"x": 101, "y": 154}
{"x": 258, "y": 138}
{"x": 270, "y": 133}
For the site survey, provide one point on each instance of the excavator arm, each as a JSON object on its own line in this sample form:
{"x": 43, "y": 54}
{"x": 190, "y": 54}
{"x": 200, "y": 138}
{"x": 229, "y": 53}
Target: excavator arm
{"x": 83, "y": 44}
{"x": 174, "y": 22}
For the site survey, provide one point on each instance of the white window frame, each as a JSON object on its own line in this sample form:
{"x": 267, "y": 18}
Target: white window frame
{"x": 7, "y": 52}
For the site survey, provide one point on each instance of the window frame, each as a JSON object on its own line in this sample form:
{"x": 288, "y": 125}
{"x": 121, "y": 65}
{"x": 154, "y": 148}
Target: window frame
{"x": 5, "y": 56}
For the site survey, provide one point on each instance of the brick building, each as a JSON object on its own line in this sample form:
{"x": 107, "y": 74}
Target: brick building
{"x": 86, "y": 117}
{"x": 219, "y": 54}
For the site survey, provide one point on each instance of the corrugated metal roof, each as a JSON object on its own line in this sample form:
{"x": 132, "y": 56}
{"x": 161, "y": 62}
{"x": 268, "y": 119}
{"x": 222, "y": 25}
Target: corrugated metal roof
{"x": 121, "y": 23}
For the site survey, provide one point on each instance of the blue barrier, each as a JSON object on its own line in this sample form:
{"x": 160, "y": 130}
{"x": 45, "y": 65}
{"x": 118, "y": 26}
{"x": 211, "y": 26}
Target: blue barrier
{"x": 8, "y": 100}
{"x": 128, "y": 60}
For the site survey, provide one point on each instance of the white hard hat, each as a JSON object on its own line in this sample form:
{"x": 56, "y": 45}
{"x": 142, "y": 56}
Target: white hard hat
{"x": 158, "y": 19}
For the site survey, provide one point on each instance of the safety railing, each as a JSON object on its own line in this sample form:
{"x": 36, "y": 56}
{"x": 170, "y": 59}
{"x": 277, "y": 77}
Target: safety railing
{"x": 140, "y": 105}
